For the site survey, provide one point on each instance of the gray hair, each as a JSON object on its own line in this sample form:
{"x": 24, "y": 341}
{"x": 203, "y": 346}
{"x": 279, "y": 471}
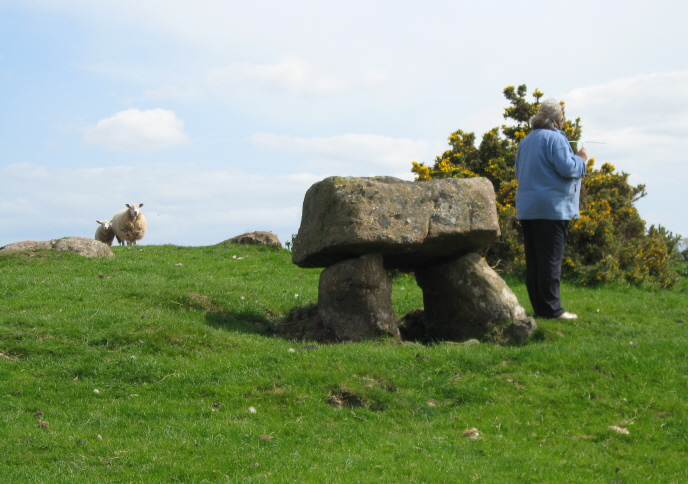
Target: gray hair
{"x": 549, "y": 116}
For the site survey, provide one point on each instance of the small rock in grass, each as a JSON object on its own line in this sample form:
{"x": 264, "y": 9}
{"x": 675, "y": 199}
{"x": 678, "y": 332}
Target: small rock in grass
{"x": 470, "y": 342}
{"x": 471, "y": 433}
{"x": 620, "y": 430}
{"x": 96, "y": 391}
{"x": 252, "y": 410}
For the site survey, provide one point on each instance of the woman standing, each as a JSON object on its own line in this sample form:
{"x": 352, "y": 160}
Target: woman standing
{"x": 547, "y": 198}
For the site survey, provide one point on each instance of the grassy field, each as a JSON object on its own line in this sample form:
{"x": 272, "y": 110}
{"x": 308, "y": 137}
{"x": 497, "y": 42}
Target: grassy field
{"x": 160, "y": 365}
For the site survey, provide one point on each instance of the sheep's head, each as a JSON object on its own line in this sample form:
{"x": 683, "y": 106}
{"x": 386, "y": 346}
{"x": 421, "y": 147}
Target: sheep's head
{"x": 104, "y": 223}
{"x": 134, "y": 209}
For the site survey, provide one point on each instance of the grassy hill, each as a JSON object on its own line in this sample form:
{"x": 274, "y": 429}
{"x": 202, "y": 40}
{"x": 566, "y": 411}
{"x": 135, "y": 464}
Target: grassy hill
{"x": 160, "y": 365}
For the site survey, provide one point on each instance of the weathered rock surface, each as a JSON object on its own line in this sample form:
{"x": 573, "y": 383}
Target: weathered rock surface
{"x": 355, "y": 299}
{"x": 80, "y": 245}
{"x": 256, "y": 238}
{"x": 410, "y": 223}
{"x": 466, "y": 298}
{"x": 28, "y": 245}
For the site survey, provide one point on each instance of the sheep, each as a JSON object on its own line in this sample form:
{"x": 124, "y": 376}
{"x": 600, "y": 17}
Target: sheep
{"x": 129, "y": 224}
{"x": 104, "y": 232}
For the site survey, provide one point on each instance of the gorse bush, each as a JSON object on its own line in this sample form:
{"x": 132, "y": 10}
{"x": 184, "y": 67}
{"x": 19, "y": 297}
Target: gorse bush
{"x": 609, "y": 242}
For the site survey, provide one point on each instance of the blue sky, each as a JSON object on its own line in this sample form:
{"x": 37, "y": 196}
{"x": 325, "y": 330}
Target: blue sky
{"x": 218, "y": 115}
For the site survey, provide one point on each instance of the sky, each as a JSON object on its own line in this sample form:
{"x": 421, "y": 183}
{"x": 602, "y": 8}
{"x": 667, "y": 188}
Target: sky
{"x": 218, "y": 115}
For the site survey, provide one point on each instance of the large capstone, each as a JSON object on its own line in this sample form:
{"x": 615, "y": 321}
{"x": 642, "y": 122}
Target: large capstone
{"x": 411, "y": 224}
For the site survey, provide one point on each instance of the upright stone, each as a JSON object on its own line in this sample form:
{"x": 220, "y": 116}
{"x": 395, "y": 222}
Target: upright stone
{"x": 410, "y": 223}
{"x": 355, "y": 299}
{"x": 466, "y": 299}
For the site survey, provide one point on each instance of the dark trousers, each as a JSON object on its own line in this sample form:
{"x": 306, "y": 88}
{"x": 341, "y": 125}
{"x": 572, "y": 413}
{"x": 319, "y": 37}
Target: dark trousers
{"x": 545, "y": 241}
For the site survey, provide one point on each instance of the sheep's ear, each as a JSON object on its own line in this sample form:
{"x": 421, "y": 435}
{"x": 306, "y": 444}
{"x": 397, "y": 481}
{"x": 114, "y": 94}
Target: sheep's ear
{"x": 127, "y": 205}
{"x": 98, "y": 222}
{"x": 140, "y": 205}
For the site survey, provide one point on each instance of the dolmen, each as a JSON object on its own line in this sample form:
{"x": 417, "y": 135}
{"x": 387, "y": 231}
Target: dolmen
{"x": 360, "y": 229}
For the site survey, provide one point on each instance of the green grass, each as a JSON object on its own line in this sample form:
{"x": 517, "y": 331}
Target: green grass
{"x": 193, "y": 386}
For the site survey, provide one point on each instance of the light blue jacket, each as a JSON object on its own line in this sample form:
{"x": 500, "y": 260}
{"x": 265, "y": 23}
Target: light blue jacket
{"x": 549, "y": 177}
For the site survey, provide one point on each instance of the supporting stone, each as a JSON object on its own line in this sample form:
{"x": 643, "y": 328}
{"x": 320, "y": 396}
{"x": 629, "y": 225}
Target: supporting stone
{"x": 466, "y": 298}
{"x": 355, "y": 299}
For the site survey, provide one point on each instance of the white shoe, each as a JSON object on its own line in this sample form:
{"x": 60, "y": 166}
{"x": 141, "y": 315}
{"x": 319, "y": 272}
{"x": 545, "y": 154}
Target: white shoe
{"x": 566, "y": 315}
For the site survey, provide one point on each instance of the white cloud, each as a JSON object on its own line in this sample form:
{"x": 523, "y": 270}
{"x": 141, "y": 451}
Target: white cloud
{"x": 295, "y": 75}
{"x": 164, "y": 93}
{"x": 651, "y": 102}
{"x": 138, "y": 131}
{"x": 641, "y": 118}
{"x": 354, "y": 154}
{"x": 644, "y": 122}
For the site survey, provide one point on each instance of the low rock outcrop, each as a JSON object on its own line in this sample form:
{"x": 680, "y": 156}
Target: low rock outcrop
{"x": 80, "y": 245}
{"x": 256, "y": 238}
{"x": 28, "y": 245}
